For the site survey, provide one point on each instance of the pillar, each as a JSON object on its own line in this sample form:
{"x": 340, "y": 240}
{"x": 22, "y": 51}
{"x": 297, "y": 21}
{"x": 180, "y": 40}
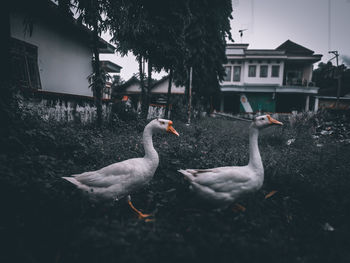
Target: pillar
{"x": 222, "y": 103}
{"x": 307, "y": 103}
{"x": 316, "y": 104}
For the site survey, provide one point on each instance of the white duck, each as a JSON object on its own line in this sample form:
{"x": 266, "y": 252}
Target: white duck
{"x": 223, "y": 185}
{"x": 120, "y": 179}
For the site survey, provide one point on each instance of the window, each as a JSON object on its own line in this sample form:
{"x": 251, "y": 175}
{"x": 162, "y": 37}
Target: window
{"x": 275, "y": 71}
{"x": 263, "y": 71}
{"x": 252, "y": 71}
{"x": 237, "y": 73}
{"x": 228, "y": 70}
{"x": 24, "y": 63}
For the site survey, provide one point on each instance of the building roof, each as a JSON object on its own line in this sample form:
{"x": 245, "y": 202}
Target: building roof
{"x": 269, "y": 89}
{"x": 110, "y": 66}
{"x": 52, "y": 14}
{"x": 291, "y": 47}
{"x": 154, "y": 87}
{"x": 287, "y": 50}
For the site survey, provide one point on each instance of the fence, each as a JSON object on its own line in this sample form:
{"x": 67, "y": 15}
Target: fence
{"x": 59, "y": 107}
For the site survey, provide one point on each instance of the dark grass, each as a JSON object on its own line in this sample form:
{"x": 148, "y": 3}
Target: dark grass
{"x": 45, "y": 219}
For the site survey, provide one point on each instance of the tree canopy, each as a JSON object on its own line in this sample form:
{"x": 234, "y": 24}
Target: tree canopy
{"x": 325, "y": 77}
{"x": 176, "y": 35}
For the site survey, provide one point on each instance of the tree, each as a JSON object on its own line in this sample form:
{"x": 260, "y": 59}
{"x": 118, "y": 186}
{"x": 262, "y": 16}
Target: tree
{"x": 91, "y": 12}
{"x": 325, "y": 77}
{"x": 206, "y": 39}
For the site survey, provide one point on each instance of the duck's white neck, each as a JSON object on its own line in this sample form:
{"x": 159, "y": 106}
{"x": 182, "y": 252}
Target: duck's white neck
{"x": 254, "y": 154}
{"x": 150, "y": 152}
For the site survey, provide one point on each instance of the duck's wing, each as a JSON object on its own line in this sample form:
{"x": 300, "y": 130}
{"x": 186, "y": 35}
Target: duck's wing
{"x": 117, "y": 173}
{"x": 221, "y": 179}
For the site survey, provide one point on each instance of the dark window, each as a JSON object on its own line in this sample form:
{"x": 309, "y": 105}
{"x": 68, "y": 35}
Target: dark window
{"x": 237, "y": 73}
{"x": 252, "y": 71}
{"x": 24, "y": 63}
{"x": 275, "y": 71}
{"x": 228, "y": 70}
{"x": 263, "y": 71}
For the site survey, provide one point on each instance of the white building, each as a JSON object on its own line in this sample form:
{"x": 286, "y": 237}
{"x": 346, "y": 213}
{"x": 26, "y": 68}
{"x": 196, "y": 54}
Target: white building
{"x": 270, "y": 80}
{"x": 54, "y": 55}
{"x": 158, "y": 91}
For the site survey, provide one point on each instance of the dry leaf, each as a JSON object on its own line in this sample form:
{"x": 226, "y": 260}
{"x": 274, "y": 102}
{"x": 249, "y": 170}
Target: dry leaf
{"x": 270, "y": 194}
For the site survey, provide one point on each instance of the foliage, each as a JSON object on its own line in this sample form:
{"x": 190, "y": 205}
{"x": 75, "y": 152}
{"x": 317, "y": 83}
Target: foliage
{"x": 46, "y": 219}
{"x": 325, "y": 77}
{"x": 176, "y": 35}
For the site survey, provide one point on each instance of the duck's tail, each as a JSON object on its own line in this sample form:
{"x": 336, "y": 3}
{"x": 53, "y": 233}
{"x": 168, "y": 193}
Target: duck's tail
{"x": 187, "y": 173}
{"x": 75, "y": 182}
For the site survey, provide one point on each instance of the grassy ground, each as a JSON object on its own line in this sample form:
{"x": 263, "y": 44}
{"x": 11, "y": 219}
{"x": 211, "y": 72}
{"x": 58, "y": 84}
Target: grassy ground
{"x": 45, "y": 219}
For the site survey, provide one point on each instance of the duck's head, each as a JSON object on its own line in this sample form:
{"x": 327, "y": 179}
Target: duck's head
{"x": 164, "y": 125}
{"x": 264, "y": 121}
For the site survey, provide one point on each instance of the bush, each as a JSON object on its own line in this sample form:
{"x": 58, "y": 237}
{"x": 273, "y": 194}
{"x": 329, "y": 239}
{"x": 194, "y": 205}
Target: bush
{"x": 46, "y": 219}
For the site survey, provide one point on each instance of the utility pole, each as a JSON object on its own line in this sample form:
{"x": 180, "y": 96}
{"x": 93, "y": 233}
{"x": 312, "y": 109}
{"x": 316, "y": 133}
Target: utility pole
{"x": 190, "y": 98}
{"x": 338, "y": 75}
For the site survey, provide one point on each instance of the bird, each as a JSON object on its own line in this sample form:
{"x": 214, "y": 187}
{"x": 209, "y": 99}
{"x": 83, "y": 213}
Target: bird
{"x": 119, "y": 179}
{"x": 222, "y": 186}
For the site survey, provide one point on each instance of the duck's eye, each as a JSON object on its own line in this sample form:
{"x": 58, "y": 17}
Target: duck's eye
{"x": 162, "y": 122}
{"x": 263, "y": 119}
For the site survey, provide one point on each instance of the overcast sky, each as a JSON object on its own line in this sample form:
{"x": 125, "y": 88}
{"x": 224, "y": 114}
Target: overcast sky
{"x": 269, "y": 23}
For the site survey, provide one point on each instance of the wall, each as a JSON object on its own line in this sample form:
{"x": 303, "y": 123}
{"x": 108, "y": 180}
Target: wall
{"x": 265, "y": 81}
{"x": 257, "y": 80}
{"x": 162, "y": 88}
{"x": 64, "y": 60}
{"x": 63, "y": 108}
{"x": 307, "y": 72}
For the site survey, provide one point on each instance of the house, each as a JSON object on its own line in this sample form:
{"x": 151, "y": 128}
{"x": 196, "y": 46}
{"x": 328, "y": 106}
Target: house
{"x": 51, "y": 51}
{"x": 268, "y": 80}
{"x": 158, "y": 90}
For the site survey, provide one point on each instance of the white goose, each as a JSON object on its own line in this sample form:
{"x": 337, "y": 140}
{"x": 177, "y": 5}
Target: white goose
{"x": 223, "y": 185}
{"x": 120, "y": 179}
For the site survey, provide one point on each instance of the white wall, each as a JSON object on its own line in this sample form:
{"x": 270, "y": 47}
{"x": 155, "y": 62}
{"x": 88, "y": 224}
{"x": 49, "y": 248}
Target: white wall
{"x": 64, "y": 61}
{"x": 307, "y": 72}
{"x": 163, "y": 88}
{"x": 265, "y": 81}
{"x": 257, "y": 79}
{"x": 134, "y": 88}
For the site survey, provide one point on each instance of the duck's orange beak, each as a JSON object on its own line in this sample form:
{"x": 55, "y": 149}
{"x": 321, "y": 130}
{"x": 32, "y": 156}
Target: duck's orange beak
{"x": 273, "y": 121}
{"x": 171, "y": 129}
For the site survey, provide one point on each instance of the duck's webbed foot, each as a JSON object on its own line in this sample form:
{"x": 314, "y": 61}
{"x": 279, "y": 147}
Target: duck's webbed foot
{"x": 238, "y": 208}
{"x": 138, "y": 212}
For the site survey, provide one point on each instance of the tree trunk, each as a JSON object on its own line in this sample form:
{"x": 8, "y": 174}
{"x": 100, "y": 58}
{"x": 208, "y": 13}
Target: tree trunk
{"x": 149, "y": 83}
{"x": 144, "y": 107}
{"x": 168, "y": 99}
{"x": 98, "y": 83}
{"x": 5, "y": 57}
{"x": 190, "y": 97}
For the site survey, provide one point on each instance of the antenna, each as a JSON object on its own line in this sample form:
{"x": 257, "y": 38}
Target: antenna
{"x": 241, "y": 33}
